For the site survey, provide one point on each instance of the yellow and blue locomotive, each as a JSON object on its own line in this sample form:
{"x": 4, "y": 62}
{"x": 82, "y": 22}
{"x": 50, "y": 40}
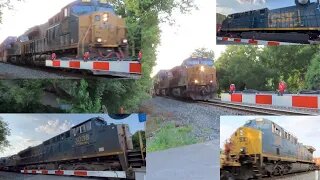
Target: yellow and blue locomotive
{"x": 83, "y": 30}
{"x": 195, "y": 79}
{"x": 263, "y": 148}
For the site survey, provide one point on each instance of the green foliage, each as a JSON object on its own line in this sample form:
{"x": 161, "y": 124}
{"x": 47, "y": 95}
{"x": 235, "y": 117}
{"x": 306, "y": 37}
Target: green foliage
{"x": 262, "y": 68}
{"x": 313, "y": 74}
{"x": 21, "y": 96}
{"x": 203, "y": 52}
{"x": 83, "y": 101}
{"x": 240, "y": 65}
{"x": 171, "y": 136}
{"x": 4, "y": 132}
{"x": 5, "y": 4}
{"x": 136, "y": 140}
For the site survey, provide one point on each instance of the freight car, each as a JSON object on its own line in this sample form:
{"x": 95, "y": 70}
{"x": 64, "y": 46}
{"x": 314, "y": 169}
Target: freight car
{"x": 261, "y": 148}
{"x": 93, "y": 145}
{"x": 297, "y": 24}
{"x": 84, "y": 30}
{"x": 194, "y": 79}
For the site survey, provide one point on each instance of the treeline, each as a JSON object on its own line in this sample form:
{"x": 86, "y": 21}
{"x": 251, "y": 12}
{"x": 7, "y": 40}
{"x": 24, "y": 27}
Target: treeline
{"x": 261, "y": 68}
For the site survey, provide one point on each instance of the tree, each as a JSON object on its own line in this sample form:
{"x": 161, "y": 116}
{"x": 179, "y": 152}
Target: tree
{"x": 313, "y": 74}
{"x": 203, "y": 52}
{"x": 240, "y": 65}
{"x": 4, "y": 132}
{"x": 5, "y": 4}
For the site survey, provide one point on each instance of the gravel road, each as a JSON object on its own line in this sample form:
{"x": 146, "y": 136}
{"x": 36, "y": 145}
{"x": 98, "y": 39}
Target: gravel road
{"x": 18, "y": 176}
{"x": 194, "y": 162}
{"x": 203, "y": 118}
{"x": 9, "y": 71}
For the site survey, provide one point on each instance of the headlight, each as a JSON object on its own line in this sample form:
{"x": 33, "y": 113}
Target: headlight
{"x": 211, "y": 81}
{"x": 202, "y": 68}
{"x": 105, "y": 17}
{"x": 125, "y": 41}
{"x": 196, "y": 81}
{"x": 99, "y": 40}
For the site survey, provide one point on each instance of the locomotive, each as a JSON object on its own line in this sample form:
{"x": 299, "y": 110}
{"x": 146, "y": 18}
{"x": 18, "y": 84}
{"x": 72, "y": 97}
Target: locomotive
{"x": 297, "y": 24}
{"x": 195, "y": 79}
{"x": 263, "y": 148}
{"x": 93, "y": 145}
{"x": 84, "y": 29}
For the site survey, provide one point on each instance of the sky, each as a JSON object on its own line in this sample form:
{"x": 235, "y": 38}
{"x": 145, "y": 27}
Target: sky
{"x": 233, "y": 6}
{"x": 305, "y": 128}
{"x": 32, "y": 129}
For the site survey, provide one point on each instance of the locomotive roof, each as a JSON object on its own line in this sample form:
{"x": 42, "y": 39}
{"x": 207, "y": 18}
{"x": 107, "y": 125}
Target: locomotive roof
{"x": 95, "y": 118}
{"x": 310, "y": 148}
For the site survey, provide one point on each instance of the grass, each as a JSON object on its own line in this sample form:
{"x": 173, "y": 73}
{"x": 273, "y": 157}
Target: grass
{"x": 170, "y": 136}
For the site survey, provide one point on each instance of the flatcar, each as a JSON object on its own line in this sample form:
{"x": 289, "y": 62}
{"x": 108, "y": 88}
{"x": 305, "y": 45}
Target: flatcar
{"x": 93, "y": 145}
{"x": 297, "y": 24}
{"x": 83, "y": 30}
{"x": 195, "y": 79}
{"x": 263, "y": 148}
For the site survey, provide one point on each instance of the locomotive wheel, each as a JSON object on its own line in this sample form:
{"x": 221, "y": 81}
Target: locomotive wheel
{"x": 226, "y": 175}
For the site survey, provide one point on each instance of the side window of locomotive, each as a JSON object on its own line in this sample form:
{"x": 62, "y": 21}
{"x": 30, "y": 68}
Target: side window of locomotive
{"x": 66, "y": 13}
{"x": 97, "y": 17}
{"x": 88, "y": 126}
{"x": 67, "y": 134}
{"x": 83, "y": 128}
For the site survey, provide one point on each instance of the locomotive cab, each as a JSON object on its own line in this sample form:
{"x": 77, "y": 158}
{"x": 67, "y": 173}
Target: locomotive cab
{"x": 101, "y": 31}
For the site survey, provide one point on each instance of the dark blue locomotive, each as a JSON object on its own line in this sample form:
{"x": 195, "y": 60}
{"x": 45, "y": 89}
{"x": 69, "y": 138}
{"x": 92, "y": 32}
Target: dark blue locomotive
{"x": 299, "y": 24}
{"x": 92, "y": 145}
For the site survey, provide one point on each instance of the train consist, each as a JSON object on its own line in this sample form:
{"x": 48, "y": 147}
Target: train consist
{"x": 85, "y": 30}
{"x": 297, "y": 24}
{"x": 93, "y": 145}
{"x": 195, "y": 79}
{"x": 263, "y": 148}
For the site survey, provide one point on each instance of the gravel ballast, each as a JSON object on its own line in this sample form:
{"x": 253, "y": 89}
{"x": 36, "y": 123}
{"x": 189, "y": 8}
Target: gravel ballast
{"x": 204, "y": 119}
{"x": 9, "y": 71}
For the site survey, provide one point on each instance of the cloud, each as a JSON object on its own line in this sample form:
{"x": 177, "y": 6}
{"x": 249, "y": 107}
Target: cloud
{"x": 252, "y": 1}
{"x": 17, "y": 144}
{"x": 53, "y": 127}
{"x": 234, "y": 6}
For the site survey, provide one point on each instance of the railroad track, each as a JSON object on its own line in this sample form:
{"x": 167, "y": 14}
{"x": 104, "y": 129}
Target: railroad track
{"x": 256, "y": 109}
{"x": 294, "y": 176}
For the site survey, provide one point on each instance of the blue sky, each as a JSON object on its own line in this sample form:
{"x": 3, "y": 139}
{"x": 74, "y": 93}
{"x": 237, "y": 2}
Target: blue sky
{"x": 32, "y": 129}
{"x": 233, "y": 6}
{"x": 305, "y": 128}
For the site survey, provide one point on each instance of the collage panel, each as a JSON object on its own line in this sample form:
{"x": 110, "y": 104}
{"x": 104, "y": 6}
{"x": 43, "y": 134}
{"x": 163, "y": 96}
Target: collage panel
{"x": 75, "y": 39}
{"x": 269, "y": 147}
{"x": 267, "y": 22}
{"x": 69, "y": 146}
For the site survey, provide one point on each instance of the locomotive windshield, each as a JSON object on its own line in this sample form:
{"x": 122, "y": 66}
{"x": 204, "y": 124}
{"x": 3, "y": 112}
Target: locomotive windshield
{"x": 197, "y": 61}
{"x": 86, "y": 8}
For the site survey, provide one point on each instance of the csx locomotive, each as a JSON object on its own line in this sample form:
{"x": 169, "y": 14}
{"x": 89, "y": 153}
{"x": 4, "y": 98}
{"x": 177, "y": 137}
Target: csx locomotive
{"x": 93, "y": 145}
{"x": 260, "y": 148}
{"x": 84, "y": 28}
{"x": 299, "y": 23}
{"x": 195, "y": 79}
